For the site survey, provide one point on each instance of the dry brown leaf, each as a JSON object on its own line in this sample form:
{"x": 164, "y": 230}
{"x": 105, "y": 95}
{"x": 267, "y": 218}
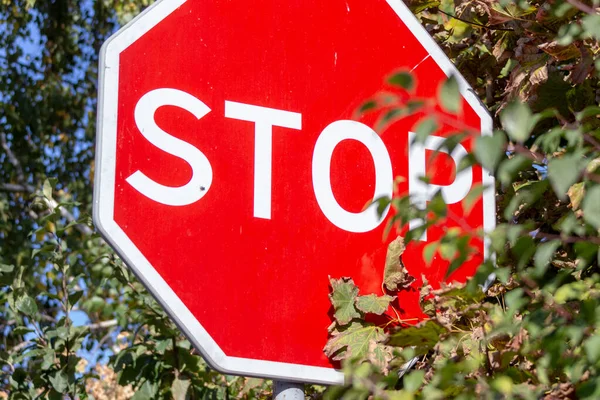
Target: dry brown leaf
{"x": 560, "y": 53}
{"x": 395, "y": 275}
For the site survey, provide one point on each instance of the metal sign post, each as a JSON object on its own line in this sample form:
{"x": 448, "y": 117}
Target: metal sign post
{"x": 283, "y": 390}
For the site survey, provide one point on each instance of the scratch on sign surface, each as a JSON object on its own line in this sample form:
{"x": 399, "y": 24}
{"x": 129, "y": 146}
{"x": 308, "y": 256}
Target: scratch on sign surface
{"x": 420, "y": 62}
{"x": 347, "y": 7}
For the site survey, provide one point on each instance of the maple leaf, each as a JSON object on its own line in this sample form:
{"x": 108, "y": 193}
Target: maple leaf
{"x": 560, "y": 52}
{"x": 374, "y": 304}
{"x": 343, "y": 296}
{"x": 353, "y": 341}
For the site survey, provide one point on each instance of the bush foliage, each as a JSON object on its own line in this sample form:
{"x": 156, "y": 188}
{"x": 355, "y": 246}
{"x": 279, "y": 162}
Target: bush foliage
{"x": 532, "y": 333}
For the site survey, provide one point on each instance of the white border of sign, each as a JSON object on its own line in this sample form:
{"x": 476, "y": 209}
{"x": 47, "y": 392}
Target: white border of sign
{"x": 104, "y": 188}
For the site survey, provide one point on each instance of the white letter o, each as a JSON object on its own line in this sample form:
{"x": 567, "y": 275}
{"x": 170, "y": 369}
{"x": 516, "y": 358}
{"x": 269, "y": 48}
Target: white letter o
{"x": 331, "y": 136}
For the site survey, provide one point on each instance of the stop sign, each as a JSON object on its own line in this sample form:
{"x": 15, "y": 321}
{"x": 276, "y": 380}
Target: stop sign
{"x": 233, "y": 172}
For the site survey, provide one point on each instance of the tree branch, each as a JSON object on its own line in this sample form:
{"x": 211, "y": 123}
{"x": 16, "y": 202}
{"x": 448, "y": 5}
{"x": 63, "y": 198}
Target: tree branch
{"x": 14, "y": 187}
{"x": 23, "y": 186}
{"x": 12, "y": 158}
{"x": 97, "y": 326}
{"x": 103, "y": 325}
{"x": 20, "y": 346}
{"x": 567, "y": 239}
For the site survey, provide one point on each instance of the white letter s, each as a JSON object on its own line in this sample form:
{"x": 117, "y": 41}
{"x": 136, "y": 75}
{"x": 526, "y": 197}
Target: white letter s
{"x": 201, "y": 179}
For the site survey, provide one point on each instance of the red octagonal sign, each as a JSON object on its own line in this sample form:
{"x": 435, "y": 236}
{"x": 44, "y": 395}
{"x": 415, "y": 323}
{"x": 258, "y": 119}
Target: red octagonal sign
{"x": 233, "y": 172}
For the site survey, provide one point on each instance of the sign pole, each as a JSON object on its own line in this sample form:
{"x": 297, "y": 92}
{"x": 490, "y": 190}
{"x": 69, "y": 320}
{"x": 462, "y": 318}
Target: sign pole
{"x": 284, "y": 390}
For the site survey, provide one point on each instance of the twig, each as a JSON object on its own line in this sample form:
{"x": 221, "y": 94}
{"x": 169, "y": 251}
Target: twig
{"x": 538, "y": 157}
{"x": 568, "y": 239}
{"x": 582, "y": 7}
{"x": 48, "y": 318}
{"x": 102, "y": 325}
{"x": 489, "y": 88}
{"x": 13, "y": 187}
{"x": 462, "y": 222}
{"x": 39, "y": 333}
{"x": 591, "y": 140}
{"x": 20, "y": 346}
{"x": 476, "y": 23}
{"x": 524, "y": 151}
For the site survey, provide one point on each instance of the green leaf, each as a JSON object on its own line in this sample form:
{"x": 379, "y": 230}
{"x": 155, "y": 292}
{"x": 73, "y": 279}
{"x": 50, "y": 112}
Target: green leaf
{"x": 21, "y": 330}
{"x": 395, "y": 274}
{"x": 403, "y": 79}
{"x": 472, "y": 197}
{"x": 509, "y": 168}
{"x": 47, "y": 189}
{"x": 96, "y": 303}
{"x": 45, "y": 249}
{"x": 591, "y": 25}
{"x": 353, "y": 340}
{"x": 425, "y": 336}
{"x": 414, "y": 380}
{"x": 388, "y": 117}
{"x": 343, "y": 298}
{"x": 26, "y": 305}
{"x": 437, "y": 205}
{"x": 591, "y": 207}
{"x": 564, "y": 172}
{"x": 448, "y": 251}
{"x": 449, "y": 95}
{"x": 420, "y": 5}
{"x": 59, "y": 381}
{"x": 251, "y": 384}
{"x": 5, "y": 269}
{"x": 588, "y": 112}
{"x": 147, "y": 391}
{"x": 503, "y": 384}
{"x": 544, "y": 254}
{"x": 514, "y": 299}
{"x": 508, "y": 67}
{"x": 48, "y": 360}
{"x": 367, "y": 106}
{"x": 593, "y": 165}
{"x": 576, "y": 194}
{"x": 74, "y": 297}
{"x": 412, "y": 106}
{"x": 374, "y": 304}
{"x": 489, "y": 150}
{"x": 162, "y": 345}
{"x": 179, "y": 388}
{"x": 429, "y": 251}
{"x": 425, "y": 128}
{"x": 518, "y": 121}
{"x": 592, "y": 348}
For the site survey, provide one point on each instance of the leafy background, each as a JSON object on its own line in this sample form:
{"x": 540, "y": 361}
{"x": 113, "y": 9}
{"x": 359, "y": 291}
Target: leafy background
{"x": 76, "y": 324}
